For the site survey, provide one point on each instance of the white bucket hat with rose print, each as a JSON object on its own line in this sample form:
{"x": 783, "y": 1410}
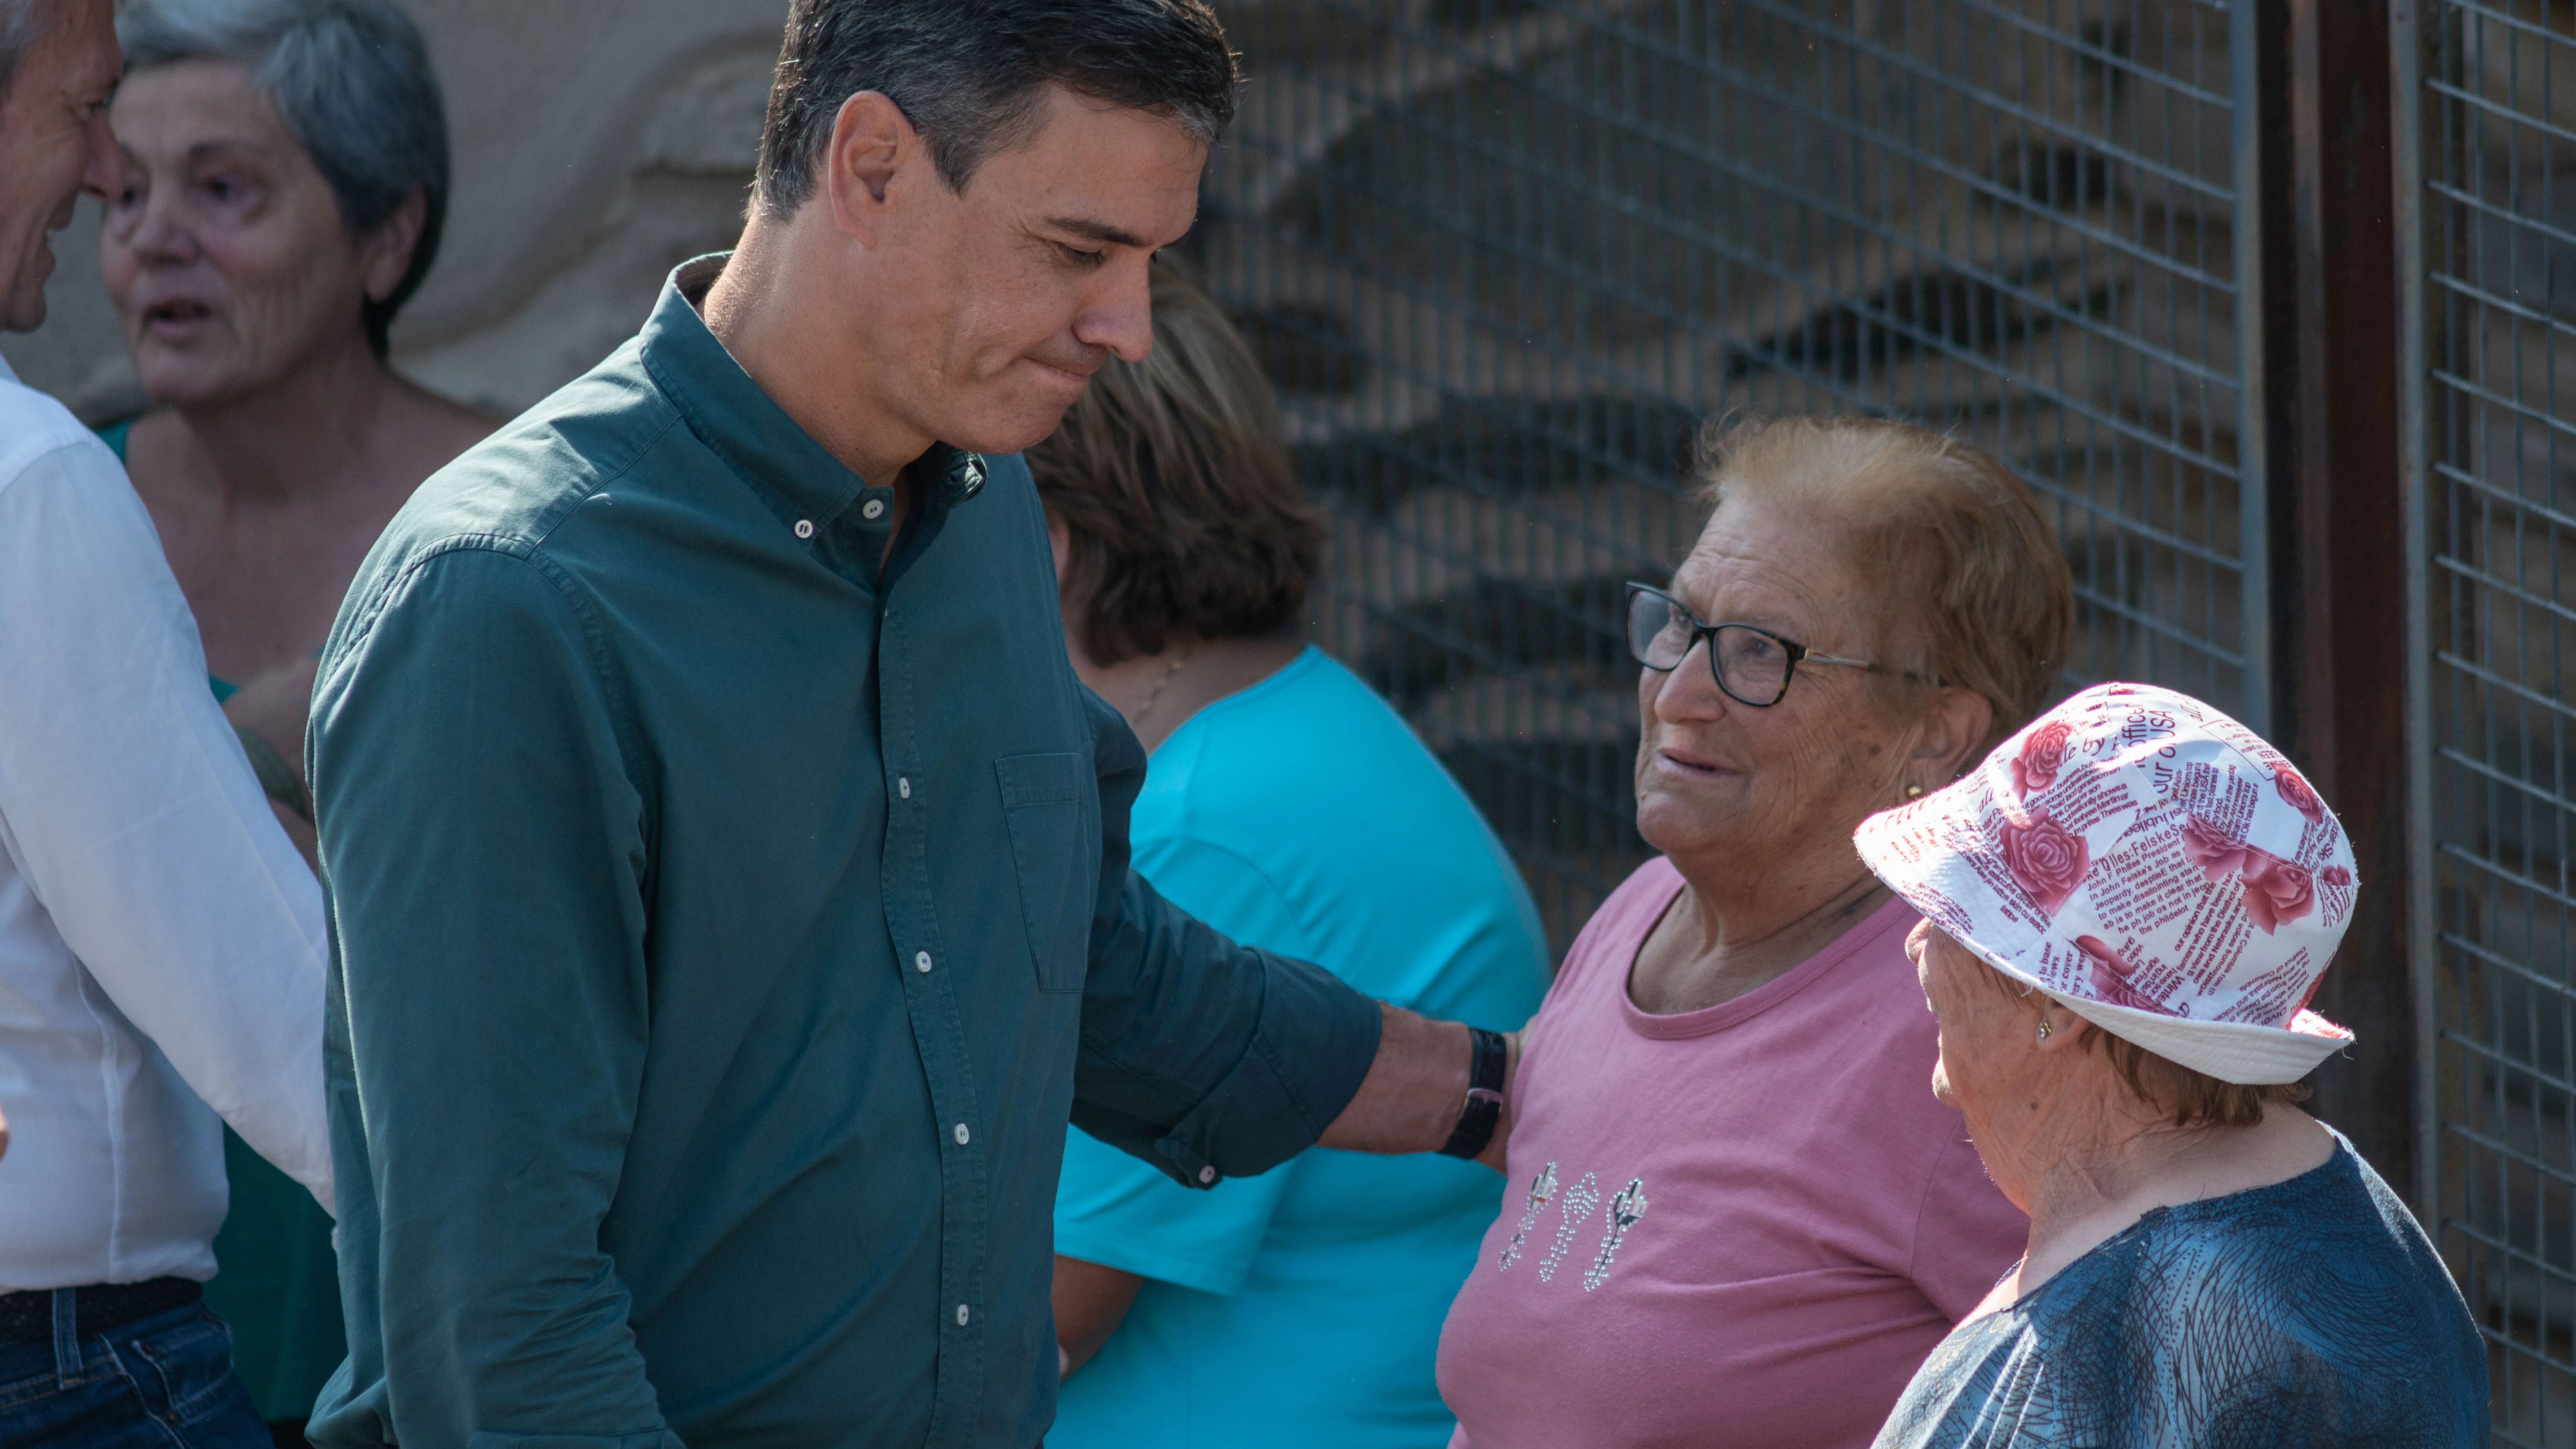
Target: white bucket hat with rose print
{"x": 2150, "y": 863}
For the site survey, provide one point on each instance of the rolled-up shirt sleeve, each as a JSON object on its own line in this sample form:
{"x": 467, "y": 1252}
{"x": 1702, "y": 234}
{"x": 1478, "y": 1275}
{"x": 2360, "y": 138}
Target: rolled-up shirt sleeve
{"x": 484, "y": 843}
{"x": 128, "y": 805}
{"x": 1206, "y": 1058}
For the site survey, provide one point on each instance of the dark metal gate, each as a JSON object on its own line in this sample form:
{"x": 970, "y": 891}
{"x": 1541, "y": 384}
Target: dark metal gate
{"x": 2487, "y": 93}
{"x": 1502, "y": 256}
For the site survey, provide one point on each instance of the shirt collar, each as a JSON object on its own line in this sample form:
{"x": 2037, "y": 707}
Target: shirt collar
{"x": 6, "y": 374}
{"x": 732, "y": 415}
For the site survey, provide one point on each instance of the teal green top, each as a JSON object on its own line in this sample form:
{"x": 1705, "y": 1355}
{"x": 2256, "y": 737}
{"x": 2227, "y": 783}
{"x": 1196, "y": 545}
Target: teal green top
{"x": 725, "y": 932}
{"x": 1303, "y": 1307}
{"x": 276, "y": 1283}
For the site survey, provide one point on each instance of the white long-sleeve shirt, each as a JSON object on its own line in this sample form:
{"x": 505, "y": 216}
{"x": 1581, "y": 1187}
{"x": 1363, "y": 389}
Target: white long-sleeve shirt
{"x": 161, "y": 943}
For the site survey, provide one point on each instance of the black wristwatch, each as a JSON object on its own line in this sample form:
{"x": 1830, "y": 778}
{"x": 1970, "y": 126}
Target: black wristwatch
{"x": 1484, "y": 1105}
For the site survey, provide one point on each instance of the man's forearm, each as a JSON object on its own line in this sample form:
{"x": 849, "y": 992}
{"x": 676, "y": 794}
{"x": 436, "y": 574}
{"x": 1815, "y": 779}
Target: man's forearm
{"x": 1091, "y": 1300}
{"x": 1416, "y": 1087}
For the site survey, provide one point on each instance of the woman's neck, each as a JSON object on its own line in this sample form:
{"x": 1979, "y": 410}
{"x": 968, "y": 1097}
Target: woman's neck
{"x": 2095, "y": 1161}
{"x": 319, "y": 426}
{"x": 1159, "y": 692}
{"x": 1721, "y": 940}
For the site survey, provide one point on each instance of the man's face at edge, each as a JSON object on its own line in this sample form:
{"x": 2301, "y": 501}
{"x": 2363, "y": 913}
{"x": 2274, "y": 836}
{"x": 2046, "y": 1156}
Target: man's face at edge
{"x": 997, "y": 303}
{"x": 54, "y": 143}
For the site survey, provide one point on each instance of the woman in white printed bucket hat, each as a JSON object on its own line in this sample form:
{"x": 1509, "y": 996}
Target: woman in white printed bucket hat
{"x": 2127, "y": 908}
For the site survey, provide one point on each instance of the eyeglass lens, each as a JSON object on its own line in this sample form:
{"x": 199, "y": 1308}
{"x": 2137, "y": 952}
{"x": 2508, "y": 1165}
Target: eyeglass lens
{"x": 1749, "y": 664}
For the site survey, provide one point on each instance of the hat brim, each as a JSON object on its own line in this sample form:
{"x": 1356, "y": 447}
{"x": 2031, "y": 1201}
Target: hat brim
{"x": 2232, "y": 1051}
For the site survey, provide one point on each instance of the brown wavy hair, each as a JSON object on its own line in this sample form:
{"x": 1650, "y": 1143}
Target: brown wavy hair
{"x": 1968, "y": 576}
{"x": 1171, "y": 478}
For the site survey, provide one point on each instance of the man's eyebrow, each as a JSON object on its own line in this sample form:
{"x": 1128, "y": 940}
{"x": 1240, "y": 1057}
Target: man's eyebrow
{"x": 1100, "y": 231}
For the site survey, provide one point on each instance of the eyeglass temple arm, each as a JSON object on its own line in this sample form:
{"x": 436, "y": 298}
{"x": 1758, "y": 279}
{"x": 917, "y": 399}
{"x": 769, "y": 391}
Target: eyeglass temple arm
{"x": 1812, "y": 657}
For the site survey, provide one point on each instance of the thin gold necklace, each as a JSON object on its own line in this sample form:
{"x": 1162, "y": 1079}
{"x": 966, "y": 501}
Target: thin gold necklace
{"x": 1154, "y": 696}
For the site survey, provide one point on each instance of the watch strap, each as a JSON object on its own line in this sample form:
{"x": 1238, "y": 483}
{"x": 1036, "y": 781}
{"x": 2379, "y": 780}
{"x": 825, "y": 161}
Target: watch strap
{"x": 1483, "y": 1109}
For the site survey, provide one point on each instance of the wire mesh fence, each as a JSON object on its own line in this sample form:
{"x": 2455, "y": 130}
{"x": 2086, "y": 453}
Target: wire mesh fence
{"x": 2498, "y": 192}
{"x": 1503, "y": 256}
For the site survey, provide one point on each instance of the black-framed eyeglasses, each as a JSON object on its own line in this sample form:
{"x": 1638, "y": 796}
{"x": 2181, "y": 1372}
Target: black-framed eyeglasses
{"x": 1750, "y": 663}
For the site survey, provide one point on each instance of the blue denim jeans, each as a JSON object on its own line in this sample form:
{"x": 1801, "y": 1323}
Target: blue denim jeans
{"x": 163, "y": 1382}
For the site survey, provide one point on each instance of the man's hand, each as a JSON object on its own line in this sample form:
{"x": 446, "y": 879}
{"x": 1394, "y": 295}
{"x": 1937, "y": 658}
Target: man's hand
{"x": 1414, "y": 1090}
{"x": 274, "y": 707}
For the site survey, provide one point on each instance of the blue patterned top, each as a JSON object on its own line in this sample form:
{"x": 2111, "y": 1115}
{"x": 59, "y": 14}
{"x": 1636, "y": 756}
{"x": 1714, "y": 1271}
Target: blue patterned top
{"x": 2312, "y": 1311}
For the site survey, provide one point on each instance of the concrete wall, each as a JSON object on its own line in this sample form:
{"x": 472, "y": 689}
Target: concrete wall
{"x": 597, "y": 144}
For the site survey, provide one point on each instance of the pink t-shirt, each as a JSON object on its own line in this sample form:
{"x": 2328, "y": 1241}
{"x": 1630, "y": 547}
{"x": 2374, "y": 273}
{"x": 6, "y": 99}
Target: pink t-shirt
{"x": 1743, "y": 1226}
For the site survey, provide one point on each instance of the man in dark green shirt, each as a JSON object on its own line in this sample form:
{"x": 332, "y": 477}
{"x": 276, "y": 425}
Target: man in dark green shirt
{"x": 728, "y": 876}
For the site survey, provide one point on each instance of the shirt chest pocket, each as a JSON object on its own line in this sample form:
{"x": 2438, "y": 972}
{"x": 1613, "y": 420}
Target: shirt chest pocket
{"x": 1055, "y": 851}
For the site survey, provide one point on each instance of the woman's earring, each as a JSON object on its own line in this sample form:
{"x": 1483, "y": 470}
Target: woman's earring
{"x": 2043, "y": 1028}
{"x": 1911, "y": 791}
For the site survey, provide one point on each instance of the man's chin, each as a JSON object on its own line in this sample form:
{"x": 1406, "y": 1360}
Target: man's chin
{"x": 22, "y": 306}
{"x": 23, "y": 310}
{"x": 1017, "y": 430}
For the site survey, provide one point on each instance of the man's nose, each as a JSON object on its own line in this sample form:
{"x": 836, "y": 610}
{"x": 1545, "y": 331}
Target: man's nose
{"x": 103, "y": 172}
{"x": 1120, "y": 316}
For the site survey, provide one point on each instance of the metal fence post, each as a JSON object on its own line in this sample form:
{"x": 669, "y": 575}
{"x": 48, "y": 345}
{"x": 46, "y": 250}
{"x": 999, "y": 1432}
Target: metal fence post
{"x": 2406, "y": 139}
{"x": 2245, "y": 175}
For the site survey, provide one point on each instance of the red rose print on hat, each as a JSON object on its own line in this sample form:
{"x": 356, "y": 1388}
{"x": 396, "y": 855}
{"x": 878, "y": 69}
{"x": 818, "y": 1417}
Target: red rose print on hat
{"x": 2217, "y": 853}
{"x": 2275, "y": 890}
{"x": 2046, "y": 859}
{"x": 2335, "y": 875}
{"x": 2111, "y": 977}
{"x": 2296, "y": 793}
{"x": 2043, "y": 753}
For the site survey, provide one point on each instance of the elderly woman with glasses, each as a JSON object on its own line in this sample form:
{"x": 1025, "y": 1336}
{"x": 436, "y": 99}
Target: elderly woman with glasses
{"x": 1733, "y": 1215}
{"x": 2126, "y": 911}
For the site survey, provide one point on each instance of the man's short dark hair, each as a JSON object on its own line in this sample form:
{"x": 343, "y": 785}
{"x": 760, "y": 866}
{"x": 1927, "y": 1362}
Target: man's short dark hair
{"x": 969, "y": 74}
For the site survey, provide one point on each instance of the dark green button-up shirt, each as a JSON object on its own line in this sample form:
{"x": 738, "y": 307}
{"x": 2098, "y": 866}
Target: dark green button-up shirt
{"x": 724, "y": 934}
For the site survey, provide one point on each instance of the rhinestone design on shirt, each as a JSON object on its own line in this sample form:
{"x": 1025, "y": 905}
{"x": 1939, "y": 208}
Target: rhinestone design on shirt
{"x": 1625, "y": 1209}
{"x": 1580, "y": 1200}
{"x": 1542, "y": 1191}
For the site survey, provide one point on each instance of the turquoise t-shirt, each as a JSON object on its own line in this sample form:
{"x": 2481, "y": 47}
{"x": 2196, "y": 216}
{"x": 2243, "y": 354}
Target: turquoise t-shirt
{"x": 1303, "y": 1307}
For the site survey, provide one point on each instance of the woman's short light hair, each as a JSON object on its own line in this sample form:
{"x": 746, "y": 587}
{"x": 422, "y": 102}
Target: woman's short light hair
{"x": 1172, "y": 480}
{"x": 2183, "y": 1096}
{"x": 1971, "y": 587}
{"x": 353, "y": 82}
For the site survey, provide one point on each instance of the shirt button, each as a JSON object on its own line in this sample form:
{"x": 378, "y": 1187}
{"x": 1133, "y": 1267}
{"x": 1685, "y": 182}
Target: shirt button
{"x": 961, "y": 1315}
{"x": 874, "y": 508}
{"x": 903, "y": 786}
{"x": 921, "y": 961}
{"x": 1206, "y": 1174}
{"x": 961, "y": 1134}
{"x": 804, "y": 528}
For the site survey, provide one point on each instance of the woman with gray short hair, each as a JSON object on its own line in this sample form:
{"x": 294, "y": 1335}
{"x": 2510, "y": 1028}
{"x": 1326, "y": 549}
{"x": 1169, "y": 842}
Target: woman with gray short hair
{"x": 286, "y": 173}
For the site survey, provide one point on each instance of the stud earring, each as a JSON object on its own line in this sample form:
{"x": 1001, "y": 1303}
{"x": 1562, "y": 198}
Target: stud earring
{"x": 1911, "y": 791}
{"x": 2043, "y": 1030}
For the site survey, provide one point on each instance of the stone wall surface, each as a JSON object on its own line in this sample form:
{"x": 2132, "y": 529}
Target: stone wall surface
{"x": 597, "y": 144}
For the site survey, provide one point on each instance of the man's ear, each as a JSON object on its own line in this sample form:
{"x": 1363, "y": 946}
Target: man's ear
{"x": 872, "y": 143}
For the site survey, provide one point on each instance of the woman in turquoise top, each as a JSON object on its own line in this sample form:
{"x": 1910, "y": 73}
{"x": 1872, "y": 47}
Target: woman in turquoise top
{"x": 1291, "y": 808}
{"x": 285, "y": 178}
